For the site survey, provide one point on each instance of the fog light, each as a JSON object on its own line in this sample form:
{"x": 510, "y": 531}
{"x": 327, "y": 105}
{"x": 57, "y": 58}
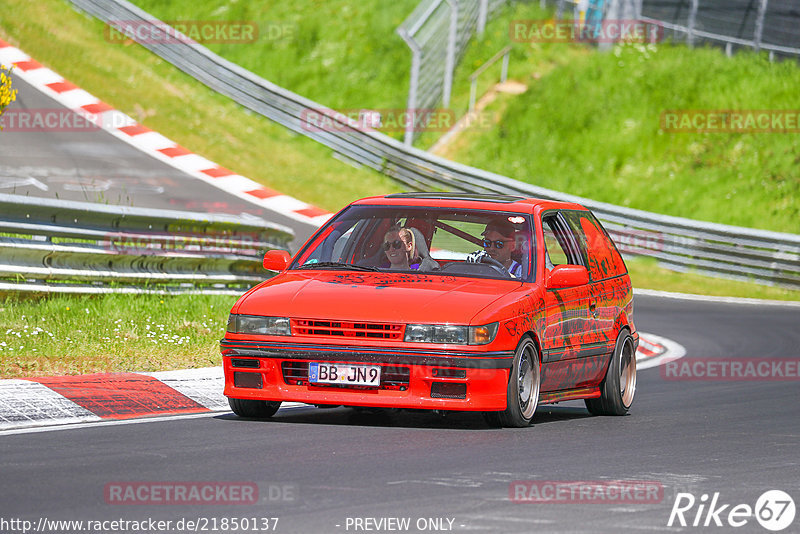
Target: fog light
{"x": 447, "y": 390}
{"x": 247, "y": 380}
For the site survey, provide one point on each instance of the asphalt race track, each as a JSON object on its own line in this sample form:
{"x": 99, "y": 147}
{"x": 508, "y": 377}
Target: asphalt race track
{"x": 95, "y": 166}
{"x": 316, "y": 468}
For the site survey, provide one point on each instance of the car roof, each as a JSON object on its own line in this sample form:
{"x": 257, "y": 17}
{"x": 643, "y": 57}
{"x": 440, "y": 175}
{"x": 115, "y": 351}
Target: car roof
{"x": 467, "y": 200}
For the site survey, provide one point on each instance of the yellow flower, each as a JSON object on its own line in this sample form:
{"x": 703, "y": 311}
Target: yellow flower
{"x": 7, "y": 95}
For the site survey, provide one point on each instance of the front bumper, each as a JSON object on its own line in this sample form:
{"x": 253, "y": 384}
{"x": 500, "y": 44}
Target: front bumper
{"x": 414, "y": 378}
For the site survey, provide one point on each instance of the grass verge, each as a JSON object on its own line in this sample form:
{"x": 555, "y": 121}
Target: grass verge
{"x": 590, "y": 124}
{"x": 341, "y": 53}
{"x": 67, "y": 335}
{"x": 647, "y": 274}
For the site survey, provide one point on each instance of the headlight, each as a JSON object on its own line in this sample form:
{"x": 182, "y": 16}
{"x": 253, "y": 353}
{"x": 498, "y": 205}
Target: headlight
{"x": 459, "y": 335}
{"x": 257, "y": 324}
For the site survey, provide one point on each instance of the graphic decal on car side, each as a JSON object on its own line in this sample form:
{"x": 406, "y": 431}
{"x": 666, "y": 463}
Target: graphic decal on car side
{"x": 604, "y": 260}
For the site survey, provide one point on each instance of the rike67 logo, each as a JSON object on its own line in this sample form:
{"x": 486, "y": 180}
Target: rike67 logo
{"x": 774, "y": 510}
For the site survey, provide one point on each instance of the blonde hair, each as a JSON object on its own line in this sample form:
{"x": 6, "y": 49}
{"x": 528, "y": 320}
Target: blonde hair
{"x": 407, "y": 236}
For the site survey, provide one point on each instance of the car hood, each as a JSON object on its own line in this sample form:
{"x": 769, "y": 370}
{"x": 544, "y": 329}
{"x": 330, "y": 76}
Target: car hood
{"x": 374, "y": 297}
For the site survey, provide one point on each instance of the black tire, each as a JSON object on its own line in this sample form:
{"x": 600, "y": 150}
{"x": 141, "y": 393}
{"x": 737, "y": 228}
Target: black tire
{"x": 254, "y": 409}
{"x": 619, "y": 385}
{"x": 522, "y": 393}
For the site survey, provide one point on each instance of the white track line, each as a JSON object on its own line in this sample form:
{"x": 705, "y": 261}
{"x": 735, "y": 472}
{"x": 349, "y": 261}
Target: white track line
{"x": 707, "y": 298}
{"x": 674, "y": 351}
{"x": 291, "y": 406}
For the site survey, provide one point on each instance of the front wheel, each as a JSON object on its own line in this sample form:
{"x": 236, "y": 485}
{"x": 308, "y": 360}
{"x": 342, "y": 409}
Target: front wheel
{"x": 522, "y": 394}
{"x": 255, "y": 409}
{"x": 619, "y": 386}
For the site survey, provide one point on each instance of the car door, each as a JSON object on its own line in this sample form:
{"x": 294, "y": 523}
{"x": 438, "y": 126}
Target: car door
{"x": 566, "y": 309}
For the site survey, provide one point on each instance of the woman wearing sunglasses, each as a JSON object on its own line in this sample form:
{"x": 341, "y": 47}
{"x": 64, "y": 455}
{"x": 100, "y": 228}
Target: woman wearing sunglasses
{"x": 398, "y": 245}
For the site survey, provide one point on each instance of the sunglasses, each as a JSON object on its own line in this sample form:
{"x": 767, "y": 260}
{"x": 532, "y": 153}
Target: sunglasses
{"x": 497, "y": 244}
{"x": 393, "y": 244}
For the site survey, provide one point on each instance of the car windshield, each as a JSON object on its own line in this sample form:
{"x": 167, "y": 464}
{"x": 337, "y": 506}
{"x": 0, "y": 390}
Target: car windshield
{"x": 447, "y": 241}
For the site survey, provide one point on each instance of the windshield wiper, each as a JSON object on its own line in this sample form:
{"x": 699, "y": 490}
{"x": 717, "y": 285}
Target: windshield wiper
{"x": 337, "y": 265}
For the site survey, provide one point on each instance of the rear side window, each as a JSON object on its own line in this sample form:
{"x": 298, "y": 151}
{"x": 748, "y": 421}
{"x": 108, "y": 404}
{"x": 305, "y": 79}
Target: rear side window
{"x": 561, "y": 246}
{"x": 603, "y": 258}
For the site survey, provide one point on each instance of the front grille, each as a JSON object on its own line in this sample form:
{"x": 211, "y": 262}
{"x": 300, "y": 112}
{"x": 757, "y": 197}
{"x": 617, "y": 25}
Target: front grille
{"x": 314, "y": 327}
{"x": 296, "y": 374}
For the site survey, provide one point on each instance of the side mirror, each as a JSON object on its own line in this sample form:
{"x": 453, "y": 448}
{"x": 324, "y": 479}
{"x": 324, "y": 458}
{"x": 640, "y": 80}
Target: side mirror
{"x": 276, "y": 260}
{"x": 568, "y": 276}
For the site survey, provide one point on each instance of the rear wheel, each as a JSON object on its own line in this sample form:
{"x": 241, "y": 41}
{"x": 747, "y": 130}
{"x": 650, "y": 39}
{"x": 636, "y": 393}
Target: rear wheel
{"x": 522, "y": 394}
{"x": 619, "y": 386}
{"x": 257, "y": 409}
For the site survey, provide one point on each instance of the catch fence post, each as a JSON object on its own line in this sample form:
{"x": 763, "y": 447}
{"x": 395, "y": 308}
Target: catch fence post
{"x": 759, "y": 32}
{"x": 450, "y": 60}
{"x": 483, "y": 13}
{"x": 692, "y": 22}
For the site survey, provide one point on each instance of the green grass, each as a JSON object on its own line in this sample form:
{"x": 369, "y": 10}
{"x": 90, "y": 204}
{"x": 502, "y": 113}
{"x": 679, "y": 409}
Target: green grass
{"x": 161, "y": 97}
{"x": 341, "y": 53}
{"x": 590, "y": 125}
{"x": 647, "y": 274}
{"x": 109, "y": 333}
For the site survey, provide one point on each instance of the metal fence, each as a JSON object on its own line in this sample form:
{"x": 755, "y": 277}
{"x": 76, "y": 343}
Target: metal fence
{"x": 58, "y": 246}
{"x": 438, "y": 32}
{"x": 759, "y": 24}
{"x": 726, "y": 251}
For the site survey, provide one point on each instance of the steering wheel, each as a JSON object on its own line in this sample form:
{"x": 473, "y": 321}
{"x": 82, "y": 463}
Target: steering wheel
{"x": 494, "y": 264}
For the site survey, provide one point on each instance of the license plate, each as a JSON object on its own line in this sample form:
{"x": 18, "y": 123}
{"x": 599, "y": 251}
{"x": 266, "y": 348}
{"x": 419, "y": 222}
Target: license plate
{"x": 344, "y": 374}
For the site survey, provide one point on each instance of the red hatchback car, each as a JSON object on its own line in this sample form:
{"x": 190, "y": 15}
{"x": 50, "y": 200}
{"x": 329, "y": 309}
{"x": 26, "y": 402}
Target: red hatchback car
{"x": 440, "y": 301}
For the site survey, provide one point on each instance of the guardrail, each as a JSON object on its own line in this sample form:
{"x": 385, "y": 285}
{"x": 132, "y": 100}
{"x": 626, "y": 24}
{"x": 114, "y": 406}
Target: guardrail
{"x": 682, "y": 244}
{"x": 59, "y": 246}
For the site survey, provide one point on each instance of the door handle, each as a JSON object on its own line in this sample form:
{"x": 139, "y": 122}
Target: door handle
{"x": 593, "y": 308}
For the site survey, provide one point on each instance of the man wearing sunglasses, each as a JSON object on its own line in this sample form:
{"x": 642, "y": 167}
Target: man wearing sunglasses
{"x": 499, "y": 242}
